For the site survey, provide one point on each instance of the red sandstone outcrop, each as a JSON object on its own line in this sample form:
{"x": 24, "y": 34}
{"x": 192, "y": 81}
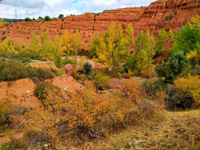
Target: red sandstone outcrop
{"x": 160, "y": 14}
{"x": 157, "y": 15}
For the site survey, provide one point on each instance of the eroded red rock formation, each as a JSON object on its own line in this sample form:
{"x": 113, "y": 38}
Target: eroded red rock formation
{"x": 160, "y": 14}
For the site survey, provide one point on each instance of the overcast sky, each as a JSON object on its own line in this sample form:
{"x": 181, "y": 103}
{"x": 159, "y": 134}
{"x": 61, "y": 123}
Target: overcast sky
{"x": 52, "y": 8}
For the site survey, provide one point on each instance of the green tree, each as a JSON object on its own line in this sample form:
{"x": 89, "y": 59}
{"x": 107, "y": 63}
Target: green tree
{"x": 60, "y": 16}
{"x": 186, "y": 40}
{"x": 27, "y": 19}
{"x": 175, "y": 65}
{"x": 46, "y": 18}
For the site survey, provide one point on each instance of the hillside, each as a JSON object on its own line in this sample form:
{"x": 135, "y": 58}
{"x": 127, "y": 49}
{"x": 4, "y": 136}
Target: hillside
{"x": 159, "y": 14}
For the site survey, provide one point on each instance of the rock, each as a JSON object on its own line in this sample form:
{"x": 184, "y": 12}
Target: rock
{"x": 138, "y": 141}
{"x": 68, "y": 68}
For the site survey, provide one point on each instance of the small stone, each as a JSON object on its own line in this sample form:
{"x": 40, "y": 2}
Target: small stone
{"x": 138, "y": 141}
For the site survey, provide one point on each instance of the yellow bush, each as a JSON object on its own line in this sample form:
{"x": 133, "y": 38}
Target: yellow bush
{"x": 147, "y": 72}
{"x": 132, "y": 90}
{"x": 89, "y": 113}
{"x": 189, "y": 86}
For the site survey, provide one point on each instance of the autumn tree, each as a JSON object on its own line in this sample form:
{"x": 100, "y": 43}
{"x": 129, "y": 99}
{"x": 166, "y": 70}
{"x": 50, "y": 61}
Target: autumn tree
{"x": 161, "y": 41}
{"x": 112, "y": 46}
{"x": 76, "y": 43}
{"x": 144, "y": 51}
{"x": 2, "y": 23}
{"x": 34, "y": 43}
{"x": 67, "y": 43}
{"x": 7, "y": 46}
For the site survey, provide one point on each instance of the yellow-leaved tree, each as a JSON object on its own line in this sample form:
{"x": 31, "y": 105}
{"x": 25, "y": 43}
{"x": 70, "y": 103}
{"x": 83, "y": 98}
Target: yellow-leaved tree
{"x": 7, "y": 46}
{"x": 2, "y": 23}
{"x": 67, "y": 43}
{"x": 108, "y": 48}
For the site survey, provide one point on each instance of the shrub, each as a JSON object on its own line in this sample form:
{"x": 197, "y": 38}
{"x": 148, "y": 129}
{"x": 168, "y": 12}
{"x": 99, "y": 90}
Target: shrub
{"x": 189, "y": 86}
{"x": 172, "y": 68}
{"x": 4, "y": 112}
{"x": 147, "y": 72}
{"x": 171, "y": 16}
{"x": 87, "y": 68}
{"x": 37, "y": 57}
{"x": 177, "y": 100}
{"x": 185, "y": 94}
{"x": 12, "y": 70}
{"x": 45, "y": 91}
{"x": 88, "y": 114}
{"x": 26, "y": 59}
{"x": 75, "y": 75}
{"x": 27, "y": 19}
{"x": 125, "y": 75}
{"x": 60, "y": 16}
{"x": 151, "y": 87}
{"x": 46, "y": 18}
{"x": 44, "y": 74}
{"x": 132, "y": 90}
{"x": 131, "y": 105}
{"x": 100, "y": 81}
{"x": 70, "y": 61}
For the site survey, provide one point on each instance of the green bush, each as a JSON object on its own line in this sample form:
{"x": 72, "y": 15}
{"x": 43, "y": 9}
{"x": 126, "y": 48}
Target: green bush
{"x": 100, "y": 81}
{"x": 26, "y": 59}
{"x": 87, "y": 68}
{"x": 60, "y": 16}
{"x": 153, "y": 87}
{"x": 46, "y": 18}
{"x": 12, "y": 70}
{"x": 27, "y": 19}
{"x": 171, "y": 16}
{"x": 24, "y": 56}
{"x": 67, "y": 60}
{"x": 41, "y": 91}
{"x": 37, "y": 57}
{"x": 176, "y": 64}
{"x": 4, "y": 112}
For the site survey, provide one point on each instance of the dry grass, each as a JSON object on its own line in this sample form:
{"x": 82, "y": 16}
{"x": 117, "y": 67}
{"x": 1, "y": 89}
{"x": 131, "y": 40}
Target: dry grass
{"x": 178, "y": 130}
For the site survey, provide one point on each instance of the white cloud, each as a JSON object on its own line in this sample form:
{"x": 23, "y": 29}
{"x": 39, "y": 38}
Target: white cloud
{"x": 52, "y": 8}
{"x": 104, "y": 3}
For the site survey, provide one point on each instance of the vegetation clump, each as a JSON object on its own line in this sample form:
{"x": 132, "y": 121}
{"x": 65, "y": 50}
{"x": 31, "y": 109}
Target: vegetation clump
{"x": 11, "y": 70}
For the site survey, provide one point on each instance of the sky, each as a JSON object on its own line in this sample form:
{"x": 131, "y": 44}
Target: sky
{"x": 52, "y": 8}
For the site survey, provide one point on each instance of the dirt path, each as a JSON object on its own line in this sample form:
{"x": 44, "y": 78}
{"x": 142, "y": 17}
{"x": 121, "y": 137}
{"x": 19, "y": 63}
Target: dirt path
{"x": 177, "y": 131}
